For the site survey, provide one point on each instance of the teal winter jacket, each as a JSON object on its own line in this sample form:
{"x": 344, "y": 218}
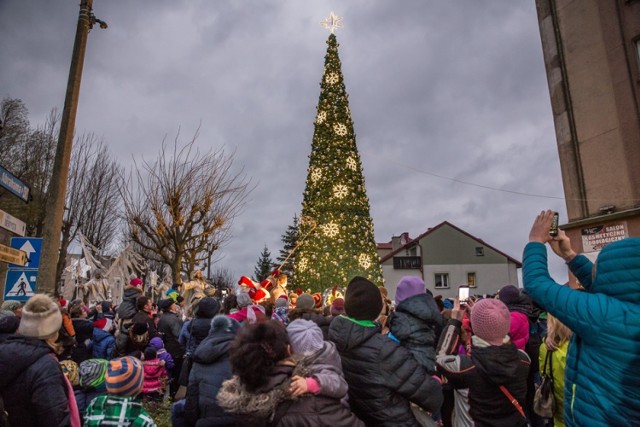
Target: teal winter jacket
{"x": 602, "y": 382}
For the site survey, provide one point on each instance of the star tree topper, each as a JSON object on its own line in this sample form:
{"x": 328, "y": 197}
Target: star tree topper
{"x": 332, "y": 22}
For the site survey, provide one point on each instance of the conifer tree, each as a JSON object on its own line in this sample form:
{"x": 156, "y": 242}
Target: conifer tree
{"x": 335, "y": 208}
{"x": 264, "y": 266}
{"x": 289, "y": 242}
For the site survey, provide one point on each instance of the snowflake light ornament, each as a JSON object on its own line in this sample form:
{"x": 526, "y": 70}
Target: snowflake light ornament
{"x": 332, "y": 78}
{"x": 340, "y": 191}
{"x": 364, "y": 261}
{"x": 331, "y": 229}
{"x": 322, "y": 116}
{"x": 316, "y": 174}
{"x": 340, "y": 129}
{"x": 302, "y": 264}
{"x": 352, "y": 164}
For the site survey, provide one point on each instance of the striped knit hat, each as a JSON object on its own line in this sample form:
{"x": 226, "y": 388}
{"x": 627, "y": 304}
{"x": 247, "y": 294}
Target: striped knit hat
{"x": 70, "y": 370}
{"x": 124, "y": 376}
{"x": 92, "y": 373}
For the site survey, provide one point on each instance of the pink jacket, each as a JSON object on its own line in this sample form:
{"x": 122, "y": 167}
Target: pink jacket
{"x": 154, "y": 371}
{"x": 519, "y": 330}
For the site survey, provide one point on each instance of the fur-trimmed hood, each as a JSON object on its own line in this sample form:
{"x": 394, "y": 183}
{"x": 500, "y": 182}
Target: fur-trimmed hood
{"x": 235, "y": 398}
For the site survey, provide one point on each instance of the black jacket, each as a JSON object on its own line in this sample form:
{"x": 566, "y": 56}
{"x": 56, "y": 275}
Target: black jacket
{"x": 383, "y": 377}
{"x": 416, "y": 323}
{"x": 32, "y": 384}
{"x": 323, "y": 322}
{"x": 169, "y": 327}
{"x": 210, "y": 368}
{"x": 84, "y": 340}
{"x": 127, "y": 308}
{"x": 143, "y": 317}
{"x": 483, "y": 372}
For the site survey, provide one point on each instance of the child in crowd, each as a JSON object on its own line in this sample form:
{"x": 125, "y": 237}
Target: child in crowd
{"x": 322, "y": 360}
{"x": 92, "y": 382}
{"x": 162, "y": 354}
{"x": 281, "y": 310}
{"x": 155, "y": 375}
{"x": 119, "y": 407}
{"x": 104, "y": 343}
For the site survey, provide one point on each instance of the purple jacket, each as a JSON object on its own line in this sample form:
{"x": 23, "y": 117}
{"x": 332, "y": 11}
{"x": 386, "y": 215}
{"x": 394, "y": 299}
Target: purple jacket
{"x": 162, "y": 353}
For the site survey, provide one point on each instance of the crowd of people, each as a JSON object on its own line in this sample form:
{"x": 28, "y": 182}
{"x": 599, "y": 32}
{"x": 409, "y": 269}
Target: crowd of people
{"x": 356, "y": 359}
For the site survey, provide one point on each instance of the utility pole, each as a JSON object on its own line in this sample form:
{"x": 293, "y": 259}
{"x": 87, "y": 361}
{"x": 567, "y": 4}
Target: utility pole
{"x": 46, "y": 281}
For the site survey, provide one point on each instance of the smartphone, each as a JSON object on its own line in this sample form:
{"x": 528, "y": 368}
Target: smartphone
{"x": 463, "y": 293}
{"x": 553, "y": 230}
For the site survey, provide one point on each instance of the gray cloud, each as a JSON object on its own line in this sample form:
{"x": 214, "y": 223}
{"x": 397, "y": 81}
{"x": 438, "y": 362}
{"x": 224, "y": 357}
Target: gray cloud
{"x": 455, "y": 89}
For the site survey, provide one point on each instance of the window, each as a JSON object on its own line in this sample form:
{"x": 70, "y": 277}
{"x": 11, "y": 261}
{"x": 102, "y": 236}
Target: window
{"x": 479, "y": 250}
{"x": 442, "y": 280}
{"x": 471, "y": 279}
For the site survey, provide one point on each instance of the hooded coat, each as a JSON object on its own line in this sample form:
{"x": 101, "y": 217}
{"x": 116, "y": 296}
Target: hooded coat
{"x": 196, "y": 330}
{"x": 127, "y": 308}
{"x": 104, "y": 344}
{"x": 602, "y": 376}
{"x": 483, "y": 372}
{"x": 416, "y": 323}
{"x": 32, "y": 384}
{"x": 210, "y": 368}
{"x": 273, "y": 405}
{"x": 383, "y": 376}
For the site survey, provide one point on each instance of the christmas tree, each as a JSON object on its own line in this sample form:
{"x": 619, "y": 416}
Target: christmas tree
{"x": 264, "y": 266}
{"x": 335, "y": 224}
{"x": 287, "y": 257}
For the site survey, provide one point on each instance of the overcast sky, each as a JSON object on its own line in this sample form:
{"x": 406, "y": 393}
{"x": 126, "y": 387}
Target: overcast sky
{"x": 443, "y": 95}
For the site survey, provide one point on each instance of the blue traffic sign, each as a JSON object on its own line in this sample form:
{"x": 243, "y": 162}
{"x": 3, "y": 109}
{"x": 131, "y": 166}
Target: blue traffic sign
{"x": 14, "y": 185}
{"x": 20, "y": 284}
{"x": 32, "y": 246}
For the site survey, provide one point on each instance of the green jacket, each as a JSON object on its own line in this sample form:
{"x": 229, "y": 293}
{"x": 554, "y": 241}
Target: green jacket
{"x": 108, "y": 410}
{"x": 558, "y": 362}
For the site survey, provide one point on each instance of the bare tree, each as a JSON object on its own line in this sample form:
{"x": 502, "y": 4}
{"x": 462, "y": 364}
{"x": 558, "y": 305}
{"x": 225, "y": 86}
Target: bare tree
{"x": 93, "y": 198}
{"x": 182, "y": 205}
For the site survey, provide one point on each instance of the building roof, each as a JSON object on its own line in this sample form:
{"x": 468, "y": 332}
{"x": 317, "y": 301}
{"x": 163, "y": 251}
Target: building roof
{"x": 412, "y": 242}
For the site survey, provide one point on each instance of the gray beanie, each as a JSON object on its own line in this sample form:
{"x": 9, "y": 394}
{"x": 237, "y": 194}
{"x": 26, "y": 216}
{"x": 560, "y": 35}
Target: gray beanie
{"x": 11, "y": 305}
{"x": 243, "y": 300}
{"x": 305, "y": 301}
{"x": 305, "y": 337}
{"x": 41, "y": 318}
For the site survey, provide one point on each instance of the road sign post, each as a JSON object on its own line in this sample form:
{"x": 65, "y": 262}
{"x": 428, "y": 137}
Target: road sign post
{"x": 20, "y": 284}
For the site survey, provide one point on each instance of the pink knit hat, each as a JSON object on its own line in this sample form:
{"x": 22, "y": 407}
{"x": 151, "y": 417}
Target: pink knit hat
{"x": 490, "y": 320}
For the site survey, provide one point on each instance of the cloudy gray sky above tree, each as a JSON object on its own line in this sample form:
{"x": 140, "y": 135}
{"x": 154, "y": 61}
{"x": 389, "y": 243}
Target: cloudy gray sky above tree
{"x": 447, "y": 98}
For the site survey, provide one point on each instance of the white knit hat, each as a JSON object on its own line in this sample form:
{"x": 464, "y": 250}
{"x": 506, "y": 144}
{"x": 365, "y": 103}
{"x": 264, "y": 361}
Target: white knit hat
{"x": 41, "y": 318}
{"x": 305, "y": 337}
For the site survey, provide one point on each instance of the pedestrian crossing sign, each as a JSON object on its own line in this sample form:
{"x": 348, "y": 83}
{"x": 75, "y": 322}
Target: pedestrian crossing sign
{"x": 20, "y": 284}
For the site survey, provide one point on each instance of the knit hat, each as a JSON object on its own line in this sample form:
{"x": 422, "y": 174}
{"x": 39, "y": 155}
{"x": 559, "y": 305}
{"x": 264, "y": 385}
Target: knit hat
{"x": 62, "y": 302}
{"x": 362, "y": 300}
{"x": 207, "y": 308}
{"x": 305, "y": 337}
{"x": 9, "y": 323}
{"x": 105, "y": 324}
{"x": 337, "y": 307}
{"x": 282, "y": 301}
{"x": 70, "y": 370}
{"x": 490, "y": 320}
{"x": 135, "y": 282}
{"x": 408, "y": 287}
{"x": 124, "y": 376}
{"x": 243, "y": 300}
{"x": 11, "y": 305}
{"x": 41, "y": 318}
{"x": 305, "y": 301}
{"x": 509, "y": 294}
{"x": 92, "y": 373}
